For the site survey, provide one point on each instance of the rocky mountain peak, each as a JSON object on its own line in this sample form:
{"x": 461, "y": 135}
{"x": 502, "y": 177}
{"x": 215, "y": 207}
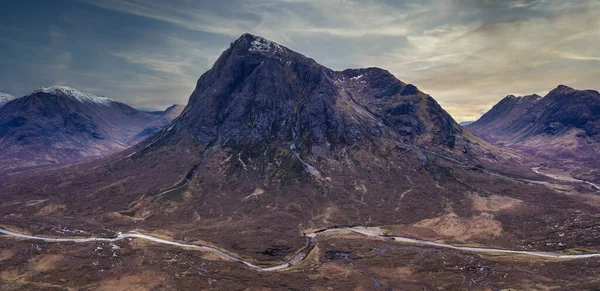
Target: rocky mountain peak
{"x": 257, "y": 46}
{"x": 511, "y": 99}
{"x": 530, "y": 98}
{"x": 561, "y": 89}
{"x": 259, "y": 94}
{"x": 544, "y": 125}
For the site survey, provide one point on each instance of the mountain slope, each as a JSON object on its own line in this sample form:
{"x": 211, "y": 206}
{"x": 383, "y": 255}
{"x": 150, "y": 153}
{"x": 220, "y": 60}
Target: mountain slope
{"x": 59, "y": 125}
{"x": 164, "y": 117}
{"x": 565, "y": 124}
{"x": 272, "y": 144}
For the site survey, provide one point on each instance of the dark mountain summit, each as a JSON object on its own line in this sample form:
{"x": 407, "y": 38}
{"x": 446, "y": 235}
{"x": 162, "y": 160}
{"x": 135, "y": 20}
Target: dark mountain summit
{"x": 272, "y": 144}
{"x": 60, "y": 125}
{"x": 504, "y": 115}
{"x": 259, "y": 92}
{"x": 563, "y": 124}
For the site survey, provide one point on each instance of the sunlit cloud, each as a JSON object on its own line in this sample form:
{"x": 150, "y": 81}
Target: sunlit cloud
{"x": 468, "y": 54}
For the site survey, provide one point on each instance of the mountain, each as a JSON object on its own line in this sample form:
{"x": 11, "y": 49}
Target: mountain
{"x": 5, "y": 98}
{"x": 465, "y": 123}
{"x": 564, "y": 124}
{"x": 173, "y": 111}
{"x": 58, "y": 125}
{"x": 166, "y": 115}
{"x": 273, "y": 145}
{"x": 504, "y": 116}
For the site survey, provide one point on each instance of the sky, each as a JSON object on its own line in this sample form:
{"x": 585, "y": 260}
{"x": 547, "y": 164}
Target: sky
{"x": 467, "y": 54}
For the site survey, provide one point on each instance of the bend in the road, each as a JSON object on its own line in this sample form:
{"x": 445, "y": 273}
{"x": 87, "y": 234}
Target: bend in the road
{"x": 372, "y": 232}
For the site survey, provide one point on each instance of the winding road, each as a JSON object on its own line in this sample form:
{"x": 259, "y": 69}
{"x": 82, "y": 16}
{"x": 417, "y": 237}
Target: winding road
{"x": 373, "y": 232}
{"x": 537, "y": 171}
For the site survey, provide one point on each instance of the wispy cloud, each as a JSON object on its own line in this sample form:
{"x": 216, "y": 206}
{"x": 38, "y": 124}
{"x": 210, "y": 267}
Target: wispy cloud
{"x": 181, "y": 13}
{"x": 466, "y": 53}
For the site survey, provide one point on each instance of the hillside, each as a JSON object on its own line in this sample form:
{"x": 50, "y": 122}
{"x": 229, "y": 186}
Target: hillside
{"x": 60, "y": 125}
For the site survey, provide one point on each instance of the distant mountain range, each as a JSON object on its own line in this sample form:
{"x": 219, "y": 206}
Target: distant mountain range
{"x": 465, "y": 123}
{"x": 58, "y": 125}
{"x": 564, "y": 124}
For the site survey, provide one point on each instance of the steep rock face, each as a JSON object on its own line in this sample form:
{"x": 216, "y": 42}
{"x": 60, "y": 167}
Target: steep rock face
{"x": 565, "y": 108}
{"x": 563, "y": 124}
{"x": 508, "y": 116}
{"x": 60, "y": 125}
{"x": 413, "y": 115}
{"x": 259, "y": 92}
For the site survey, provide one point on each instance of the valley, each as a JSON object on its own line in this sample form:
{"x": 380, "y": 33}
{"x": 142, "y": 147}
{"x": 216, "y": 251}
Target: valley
{"x": 282, "y": 173}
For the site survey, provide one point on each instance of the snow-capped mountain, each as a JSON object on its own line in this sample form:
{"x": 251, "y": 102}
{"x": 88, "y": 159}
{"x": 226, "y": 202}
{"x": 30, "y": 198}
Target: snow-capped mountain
{"x": 5, "y": 98}
{"x": 68, "y": 92}
{"x": 58, "y": 125}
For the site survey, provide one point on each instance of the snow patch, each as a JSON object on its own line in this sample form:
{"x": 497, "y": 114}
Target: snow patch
{"x": 74, "y": 94}
{"x": 5, "y": 98}
{"x": 357, "y": 77}
{"x": 260, "y": 44}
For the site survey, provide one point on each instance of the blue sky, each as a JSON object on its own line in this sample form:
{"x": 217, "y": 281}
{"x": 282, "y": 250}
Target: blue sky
{"x": 467, "y": 54}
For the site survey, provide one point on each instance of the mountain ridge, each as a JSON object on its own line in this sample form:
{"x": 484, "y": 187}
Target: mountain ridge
{"x": 57, "y": 125}
{"x": 564, "y": 111}
{"x": 563, "y": 128}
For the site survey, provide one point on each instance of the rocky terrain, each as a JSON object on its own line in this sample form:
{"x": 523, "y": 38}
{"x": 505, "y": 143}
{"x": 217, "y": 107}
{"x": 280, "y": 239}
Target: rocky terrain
{"x": 60, "y": 125}
{"x": 271, "y": 146}
{"x": 563, "y": 126}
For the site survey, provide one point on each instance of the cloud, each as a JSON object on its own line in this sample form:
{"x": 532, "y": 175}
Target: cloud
{"x": 56, "y": 34}
{"x": 62, "y": 60}
{"x": 467, "y": 54}
{"x": 159, "y": 63}
{"x": 182, "y": 13}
